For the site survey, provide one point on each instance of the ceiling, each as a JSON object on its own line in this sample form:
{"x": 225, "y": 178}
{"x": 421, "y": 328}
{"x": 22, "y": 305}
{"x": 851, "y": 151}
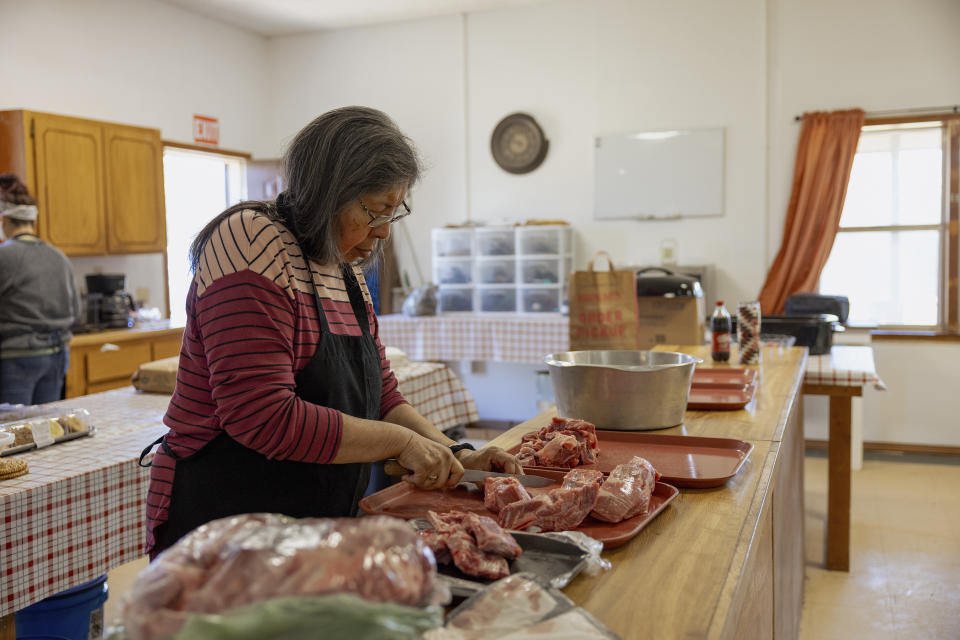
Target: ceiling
{"x": 285, "y": 17}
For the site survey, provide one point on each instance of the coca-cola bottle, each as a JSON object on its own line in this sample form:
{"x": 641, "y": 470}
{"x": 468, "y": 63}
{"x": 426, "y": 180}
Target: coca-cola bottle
{"x": 720, "y": 328}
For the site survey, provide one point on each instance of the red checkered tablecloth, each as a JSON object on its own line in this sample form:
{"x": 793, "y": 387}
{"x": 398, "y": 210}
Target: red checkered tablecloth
{"x": 500, "y": 337}
{"x": 519, "y": 338}
{"x": 434, "y": 391}
{"x": 844, "y": 366}
{"x": 79, "y": 512}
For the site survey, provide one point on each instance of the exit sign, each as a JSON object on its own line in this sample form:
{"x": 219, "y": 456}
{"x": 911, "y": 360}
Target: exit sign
{"x": 206, "y": 130}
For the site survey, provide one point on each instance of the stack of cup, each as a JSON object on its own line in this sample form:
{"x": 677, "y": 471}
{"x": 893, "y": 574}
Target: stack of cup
{"x": 748, "y": 332}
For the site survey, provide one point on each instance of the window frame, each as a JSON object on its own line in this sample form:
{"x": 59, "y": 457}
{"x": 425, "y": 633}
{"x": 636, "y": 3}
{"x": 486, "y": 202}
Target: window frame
{"x": 949, "y": 305}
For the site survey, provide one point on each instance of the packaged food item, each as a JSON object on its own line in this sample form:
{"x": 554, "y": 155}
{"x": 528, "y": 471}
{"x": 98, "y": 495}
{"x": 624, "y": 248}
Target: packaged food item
{"x": 240, "y": 560}
{"x": 519, "y": 607}
{"x": 6, "y": 439}
{"x": 46, "y": 430}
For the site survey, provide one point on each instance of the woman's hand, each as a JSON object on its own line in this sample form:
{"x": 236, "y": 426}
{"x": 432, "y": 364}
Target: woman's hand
{"x": 433, "y": 465}
{"x": 489, "y": 459}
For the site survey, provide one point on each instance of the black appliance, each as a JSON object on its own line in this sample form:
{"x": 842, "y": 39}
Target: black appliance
{"x": 666, "y": 284}
{"x": 812, "y": 330}
{"x": 807, "y": 303}
{"x": 106, "y": 304}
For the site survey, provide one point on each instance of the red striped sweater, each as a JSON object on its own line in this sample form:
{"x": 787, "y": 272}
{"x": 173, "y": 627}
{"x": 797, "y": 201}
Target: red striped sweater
{"x": 251, "y": 326}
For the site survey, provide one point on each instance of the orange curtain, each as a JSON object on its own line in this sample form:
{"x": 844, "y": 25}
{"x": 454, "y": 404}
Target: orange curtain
{"x": 828, "y": 142}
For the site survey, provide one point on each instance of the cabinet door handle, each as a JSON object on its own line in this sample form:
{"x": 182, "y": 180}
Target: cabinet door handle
{"x": 108, "y": 346}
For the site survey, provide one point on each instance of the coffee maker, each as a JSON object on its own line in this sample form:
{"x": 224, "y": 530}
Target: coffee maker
{"x": 106, "y": 304}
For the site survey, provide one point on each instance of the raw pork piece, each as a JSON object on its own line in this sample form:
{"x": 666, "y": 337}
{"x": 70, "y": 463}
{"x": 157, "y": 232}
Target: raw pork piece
{"x": 476, "y": 544}
{"x": 437, "y": 541}
{"x": 471, "y": 560}
{"x": 490, "y": 537}
{"x": 561, "y": 451}
{"x": 242, "y": 559}
{"x": 499, "y": 492}
{"x": 582, "y": 477}
{"x": 556, "y": 510}
{"x": 527, "y": 454}
{"x": 626, "y": 492}
{"x": 532, "y": 445}
{"x": 446, "y": 521}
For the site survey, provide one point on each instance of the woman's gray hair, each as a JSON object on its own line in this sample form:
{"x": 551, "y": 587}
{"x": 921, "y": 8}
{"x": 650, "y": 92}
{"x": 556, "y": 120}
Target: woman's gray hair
{"x": 328, "y": 166}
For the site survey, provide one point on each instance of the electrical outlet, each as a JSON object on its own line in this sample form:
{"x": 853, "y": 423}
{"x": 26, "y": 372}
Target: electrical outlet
{"x": 668, "y": 251}
{"x": 478, "y": 367}
{"x": 142, "y": 294}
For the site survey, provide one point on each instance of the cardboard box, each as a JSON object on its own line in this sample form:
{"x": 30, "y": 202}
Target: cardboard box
{"x": 677, "y": 321}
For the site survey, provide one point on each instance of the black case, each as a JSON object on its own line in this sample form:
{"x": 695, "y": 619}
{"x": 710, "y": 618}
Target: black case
{"x": 809, "y": 303}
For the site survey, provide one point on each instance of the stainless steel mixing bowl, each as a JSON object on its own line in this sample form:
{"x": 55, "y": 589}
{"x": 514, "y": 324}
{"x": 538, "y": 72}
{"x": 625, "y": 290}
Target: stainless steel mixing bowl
{"x": 626, "y": 390}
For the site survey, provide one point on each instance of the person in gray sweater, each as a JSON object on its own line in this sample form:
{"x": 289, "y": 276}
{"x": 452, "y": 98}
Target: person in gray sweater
{"x": 38, "y": 304}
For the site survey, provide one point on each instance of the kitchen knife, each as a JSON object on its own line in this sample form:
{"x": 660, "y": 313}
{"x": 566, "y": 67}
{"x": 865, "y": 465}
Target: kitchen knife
{"x": 394, "y": 468}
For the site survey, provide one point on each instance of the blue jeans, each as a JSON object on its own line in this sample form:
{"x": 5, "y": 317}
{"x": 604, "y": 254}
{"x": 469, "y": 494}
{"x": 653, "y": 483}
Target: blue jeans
{"x": 34, "y": 379}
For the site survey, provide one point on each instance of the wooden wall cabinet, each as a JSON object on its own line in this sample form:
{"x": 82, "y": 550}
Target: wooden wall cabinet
{"x": 98, "y": 185}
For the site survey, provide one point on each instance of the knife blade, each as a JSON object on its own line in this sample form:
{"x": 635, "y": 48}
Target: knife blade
{"x": 394, "y": 468}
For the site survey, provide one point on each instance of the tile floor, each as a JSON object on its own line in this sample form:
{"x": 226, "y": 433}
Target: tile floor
{"x": 904, "y": 579}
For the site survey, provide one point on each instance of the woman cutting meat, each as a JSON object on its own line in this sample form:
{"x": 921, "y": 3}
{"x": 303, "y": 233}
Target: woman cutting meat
{"x": 283, "y": 394}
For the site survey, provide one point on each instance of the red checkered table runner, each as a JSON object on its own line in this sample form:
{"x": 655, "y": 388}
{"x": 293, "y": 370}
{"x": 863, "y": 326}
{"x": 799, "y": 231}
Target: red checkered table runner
{"x": 520, "y": 338}
{"x": 79, "y": 512}
{"x": 500, "y": 337}
{"x": 844, "y": 366}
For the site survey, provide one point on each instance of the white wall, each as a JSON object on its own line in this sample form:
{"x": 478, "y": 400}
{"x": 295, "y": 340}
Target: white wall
{"x": 138, "y": 62}
{"x": 838, "y": 54}
{"x": 581, "y": 68}
{"x": 414, "y": 72}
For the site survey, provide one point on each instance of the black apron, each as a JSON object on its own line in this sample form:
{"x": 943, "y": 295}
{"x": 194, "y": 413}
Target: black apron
{"x": 225, "y": 478}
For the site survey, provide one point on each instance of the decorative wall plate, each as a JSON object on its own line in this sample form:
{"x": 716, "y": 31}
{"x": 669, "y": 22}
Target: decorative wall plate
{"x": 518, "y": 144}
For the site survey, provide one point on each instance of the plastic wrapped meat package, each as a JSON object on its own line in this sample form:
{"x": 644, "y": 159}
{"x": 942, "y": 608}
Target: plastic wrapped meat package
{"x": 519, "y": 608}
{"x": 239, "y": 560}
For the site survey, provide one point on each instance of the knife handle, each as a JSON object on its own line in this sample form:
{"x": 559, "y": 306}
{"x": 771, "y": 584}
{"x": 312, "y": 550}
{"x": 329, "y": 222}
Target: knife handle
{"x": 393, "y": 468}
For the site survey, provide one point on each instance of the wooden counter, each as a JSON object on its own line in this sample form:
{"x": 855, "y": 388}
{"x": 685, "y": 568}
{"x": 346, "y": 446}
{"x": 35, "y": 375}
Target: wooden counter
{"x": 724, "y": 562}
{"x": 106, "y": 359}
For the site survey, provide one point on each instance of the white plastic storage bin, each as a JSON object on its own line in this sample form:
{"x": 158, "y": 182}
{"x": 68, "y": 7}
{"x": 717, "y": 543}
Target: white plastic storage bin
{"x": 541, "y": 270}
{"x": 540, "y": 299}
{"x": 495, "y": 241}
{"x": 452, "y": 299}
{"x": 496, "y": 299}
{"x": 452, "y": 243}
{"x": 544, "y": 240}
{"x": 496, "y": 270}
{"x": 452, "y": 271}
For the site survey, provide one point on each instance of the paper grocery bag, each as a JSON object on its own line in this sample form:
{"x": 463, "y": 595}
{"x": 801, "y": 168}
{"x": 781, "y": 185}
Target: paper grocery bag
{"x": 603, "y": 308}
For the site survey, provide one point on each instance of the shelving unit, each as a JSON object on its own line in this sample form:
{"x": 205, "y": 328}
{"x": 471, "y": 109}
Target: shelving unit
{"x": 503, "y": 269}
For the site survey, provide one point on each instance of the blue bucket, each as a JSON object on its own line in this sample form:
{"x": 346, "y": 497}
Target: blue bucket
{"x": 74, "y": 614}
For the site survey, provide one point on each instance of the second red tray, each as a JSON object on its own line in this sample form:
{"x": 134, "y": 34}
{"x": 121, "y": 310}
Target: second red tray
{"x": 683, "y": 461}
{"x": 403, "y": 500}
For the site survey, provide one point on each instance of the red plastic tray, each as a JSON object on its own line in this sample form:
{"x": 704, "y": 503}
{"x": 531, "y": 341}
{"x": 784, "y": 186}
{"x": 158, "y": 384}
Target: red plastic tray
{"x": 719, "y": 398}
{"x": 683, "y": 461}
{"x": 404, "y": 500}
{"x": 723, "y": 378}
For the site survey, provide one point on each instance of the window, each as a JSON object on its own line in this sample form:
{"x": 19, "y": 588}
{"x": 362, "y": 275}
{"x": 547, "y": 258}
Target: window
{"x": 198, "y": 186}
{"x": 892, "y": 254}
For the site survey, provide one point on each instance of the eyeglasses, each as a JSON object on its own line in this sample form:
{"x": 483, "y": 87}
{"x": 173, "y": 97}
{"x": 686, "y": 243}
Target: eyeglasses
{"x": 386, "y": 217}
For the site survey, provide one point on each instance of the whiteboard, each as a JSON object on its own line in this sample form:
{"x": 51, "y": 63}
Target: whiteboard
{"x": 658, "y": 174}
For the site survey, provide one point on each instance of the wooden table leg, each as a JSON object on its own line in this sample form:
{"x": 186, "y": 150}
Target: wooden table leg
{"x": 8, "y": 629}
{"x": 838, "y": 488}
